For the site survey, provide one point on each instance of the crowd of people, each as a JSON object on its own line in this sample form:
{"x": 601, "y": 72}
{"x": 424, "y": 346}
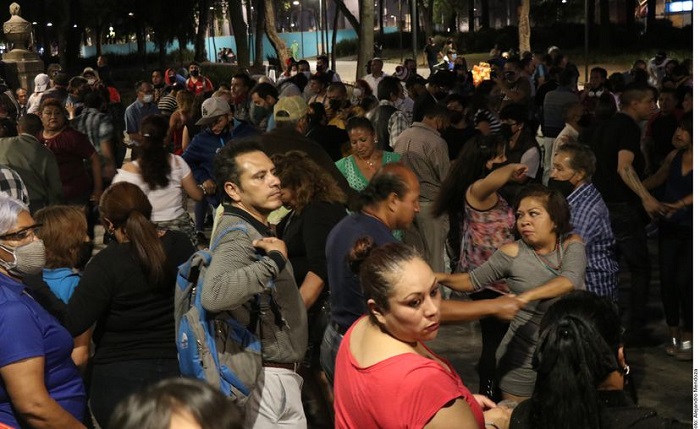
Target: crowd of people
{"x": 350, "y": 220}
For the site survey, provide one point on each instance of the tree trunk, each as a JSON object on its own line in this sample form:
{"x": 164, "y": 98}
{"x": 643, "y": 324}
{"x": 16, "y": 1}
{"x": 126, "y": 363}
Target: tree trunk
{"x": 470, "y": 15}
{"x": 259, "y": 31}
{"x": 240, "y": 32}
{"x": 340, "y": 4}
{"x": 630, "y": 21}
{"x": 380, "y": 5}
{"x": 524, "y": 27}
{"x": 425, "y": 11}
{"x": 366, "y": 39}
{"x": 485, "y": 20}
{"x": 651, "y": 16}
{"x": 604, "y": 41}
{"x": 203, "y": 25}
{"x": 181, "y": 46}
{"x": 336, "y": 18}
{"x": 271, "y": 31}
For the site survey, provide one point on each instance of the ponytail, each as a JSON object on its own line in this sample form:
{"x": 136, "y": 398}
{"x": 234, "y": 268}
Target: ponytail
{"x": 146, "y": 245}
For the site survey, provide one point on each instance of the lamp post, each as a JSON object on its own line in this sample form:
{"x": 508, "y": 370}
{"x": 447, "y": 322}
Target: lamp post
{"x": 301, "y": 23}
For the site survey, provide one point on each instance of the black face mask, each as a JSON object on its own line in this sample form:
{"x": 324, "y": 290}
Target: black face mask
{"x": 335, "y": 105}
{"x": 194, "y": 73}
{"x": 564, "y": 187}
{"x": 455, "y": 117}
{"x": 440, "y": 94}
{"x": 507, "y": 131}
{"x": 84, "y": 254}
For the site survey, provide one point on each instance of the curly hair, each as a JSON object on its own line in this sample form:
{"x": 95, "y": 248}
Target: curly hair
{"x": 297, "y": 171}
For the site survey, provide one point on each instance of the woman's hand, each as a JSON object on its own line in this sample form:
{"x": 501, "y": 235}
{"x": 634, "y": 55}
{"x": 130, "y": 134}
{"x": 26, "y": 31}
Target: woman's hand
{"x": 484, "y": 402}
{"x": 497, "y": 418}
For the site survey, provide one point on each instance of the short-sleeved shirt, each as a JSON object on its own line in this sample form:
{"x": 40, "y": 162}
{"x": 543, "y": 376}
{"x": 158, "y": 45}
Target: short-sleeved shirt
{"x": 72, "y": 149}
{"x": 28, "y": 331}
{"x": 349, "y": 169}
{"x": 403, "y": 391}
{"x": 619, "y": 133}
{"x": 347, "y": 300}
{"x": 167, "y": 201}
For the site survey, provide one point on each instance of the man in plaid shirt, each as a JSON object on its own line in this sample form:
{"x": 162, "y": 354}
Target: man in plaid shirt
{"x": 12, "y": 184}
{"x": 573, "y": 166}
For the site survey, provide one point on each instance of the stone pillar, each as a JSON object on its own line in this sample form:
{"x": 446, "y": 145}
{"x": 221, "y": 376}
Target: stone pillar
{"x": 21, "y": 64}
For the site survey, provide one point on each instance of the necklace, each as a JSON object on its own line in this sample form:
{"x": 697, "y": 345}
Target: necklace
{"x": 369, "y": 161}
{"x": 554, "y": 269}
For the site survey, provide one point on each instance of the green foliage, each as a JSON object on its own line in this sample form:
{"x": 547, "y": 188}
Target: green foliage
{"x": 347, "y": 47}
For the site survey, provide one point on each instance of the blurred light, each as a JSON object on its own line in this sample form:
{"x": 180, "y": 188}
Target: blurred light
{"x": 48, "y": 24}
{"x": 75, "y": 25}
{"x": 131, "y": 14}
{"x": 295, "y": 3}
{"x": 34, "y": 23}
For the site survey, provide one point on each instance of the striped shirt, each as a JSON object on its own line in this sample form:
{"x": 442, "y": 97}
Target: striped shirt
{"x": 96, "y": 125}
{"x": 591, "y": 220}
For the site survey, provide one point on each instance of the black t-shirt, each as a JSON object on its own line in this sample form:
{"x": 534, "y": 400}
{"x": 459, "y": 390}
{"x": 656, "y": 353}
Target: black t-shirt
{"x": 621, "y": 132}
{"x": 456, "y": 139}
{"x": 661, "y": 131}
{"x": 431, "y": 52}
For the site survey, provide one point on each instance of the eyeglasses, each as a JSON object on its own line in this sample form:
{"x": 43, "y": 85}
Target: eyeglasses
{"x": 23, "y": 233}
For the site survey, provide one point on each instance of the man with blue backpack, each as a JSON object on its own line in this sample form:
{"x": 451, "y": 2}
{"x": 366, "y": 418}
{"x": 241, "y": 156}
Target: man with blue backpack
{"x": 250, "y": 282}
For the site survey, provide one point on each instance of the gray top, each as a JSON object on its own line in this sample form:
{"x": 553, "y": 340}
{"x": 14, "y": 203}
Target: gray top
{"x": 237, "y": 273}
{"x": 522, "y": 273}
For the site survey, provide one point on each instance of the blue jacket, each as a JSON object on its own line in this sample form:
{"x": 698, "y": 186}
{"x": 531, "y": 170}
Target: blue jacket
{"x": 200, "y": 153}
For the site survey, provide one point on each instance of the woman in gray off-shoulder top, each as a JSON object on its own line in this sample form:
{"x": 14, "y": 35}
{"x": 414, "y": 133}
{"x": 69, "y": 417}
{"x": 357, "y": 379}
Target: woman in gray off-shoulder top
{"x": 544, "y": 264}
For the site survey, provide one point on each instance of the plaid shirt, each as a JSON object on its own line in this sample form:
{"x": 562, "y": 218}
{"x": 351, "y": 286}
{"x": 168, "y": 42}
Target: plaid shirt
{"x": 11, "y": 183}
{"x": 591, "y": 220}
{"x": 94, "y": 124}
{"x": 398, "y": 122}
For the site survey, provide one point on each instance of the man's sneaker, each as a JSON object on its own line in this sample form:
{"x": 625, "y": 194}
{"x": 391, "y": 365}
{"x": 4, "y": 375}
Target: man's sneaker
{"x": 685, "y": 350}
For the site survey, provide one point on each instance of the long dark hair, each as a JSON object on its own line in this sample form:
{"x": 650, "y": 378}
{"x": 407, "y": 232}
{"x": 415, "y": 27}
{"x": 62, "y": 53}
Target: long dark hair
{"x": 154, "y": 159}
{"x": 469, "y": 167}
{"x": 576, "y": 352}
{"x": 126, "y": 206}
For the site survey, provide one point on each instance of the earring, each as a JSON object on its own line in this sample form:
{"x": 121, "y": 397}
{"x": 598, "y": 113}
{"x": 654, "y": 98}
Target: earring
{"x": 626, "y": 370}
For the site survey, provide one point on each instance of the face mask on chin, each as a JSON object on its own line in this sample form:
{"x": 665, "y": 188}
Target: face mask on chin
{"x": 27, "y": 259}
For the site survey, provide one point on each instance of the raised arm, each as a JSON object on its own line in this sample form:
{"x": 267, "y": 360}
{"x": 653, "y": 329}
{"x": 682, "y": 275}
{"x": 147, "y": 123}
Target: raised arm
{"x": 483, "y": 190}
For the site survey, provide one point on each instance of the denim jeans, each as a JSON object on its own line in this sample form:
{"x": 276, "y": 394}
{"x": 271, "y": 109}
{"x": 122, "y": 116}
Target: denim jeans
{"x": 112, "y": 382}
{"x": 329, "y": 351}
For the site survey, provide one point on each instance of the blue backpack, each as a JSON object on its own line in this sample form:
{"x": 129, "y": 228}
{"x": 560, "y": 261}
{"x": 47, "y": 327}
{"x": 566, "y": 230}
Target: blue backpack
{"x": 215, "y": 347}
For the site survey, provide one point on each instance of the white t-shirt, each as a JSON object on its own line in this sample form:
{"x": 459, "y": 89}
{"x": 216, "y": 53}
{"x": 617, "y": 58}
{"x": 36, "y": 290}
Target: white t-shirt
{"x": 167, "y": 202}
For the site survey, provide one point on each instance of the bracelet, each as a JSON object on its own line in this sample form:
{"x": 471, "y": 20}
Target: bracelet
{"x": 201, "y": 186}
{"x": 491, "y": 424}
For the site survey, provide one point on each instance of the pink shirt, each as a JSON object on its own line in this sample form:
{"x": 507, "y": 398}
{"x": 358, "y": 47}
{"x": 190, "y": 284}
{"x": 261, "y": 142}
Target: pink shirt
{"x": 403, "y": 391}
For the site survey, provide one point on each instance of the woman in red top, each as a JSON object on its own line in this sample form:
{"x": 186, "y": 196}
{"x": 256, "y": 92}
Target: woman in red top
{"x": 385, "y": 375}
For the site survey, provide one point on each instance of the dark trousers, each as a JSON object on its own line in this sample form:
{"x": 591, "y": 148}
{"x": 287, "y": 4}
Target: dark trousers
{"x": 112, "y": 382}
{"x": 676, "y": 274}
{"x": 492, "y": 332}
{"x": 628, "y": 222}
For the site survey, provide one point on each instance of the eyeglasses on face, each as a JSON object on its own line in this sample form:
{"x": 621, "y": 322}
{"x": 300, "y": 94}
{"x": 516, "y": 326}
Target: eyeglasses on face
{"x": 23, "y": 233}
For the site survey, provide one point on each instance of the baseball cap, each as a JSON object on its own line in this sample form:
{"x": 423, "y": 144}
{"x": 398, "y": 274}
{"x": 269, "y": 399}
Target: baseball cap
{"x": 212, "y": 108}
{"x": 41, "y": 82}
{"x": 290, "y": 108}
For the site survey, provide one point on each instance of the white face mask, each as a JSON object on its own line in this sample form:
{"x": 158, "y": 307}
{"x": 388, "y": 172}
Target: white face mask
{"x": 91, "y": 82}
{"x": 148, "y": 98}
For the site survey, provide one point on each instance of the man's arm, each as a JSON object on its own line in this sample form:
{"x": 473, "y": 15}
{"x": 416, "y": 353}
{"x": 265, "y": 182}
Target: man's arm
{"x": 629, "y": 176}
{"x": 236, "y": 273}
